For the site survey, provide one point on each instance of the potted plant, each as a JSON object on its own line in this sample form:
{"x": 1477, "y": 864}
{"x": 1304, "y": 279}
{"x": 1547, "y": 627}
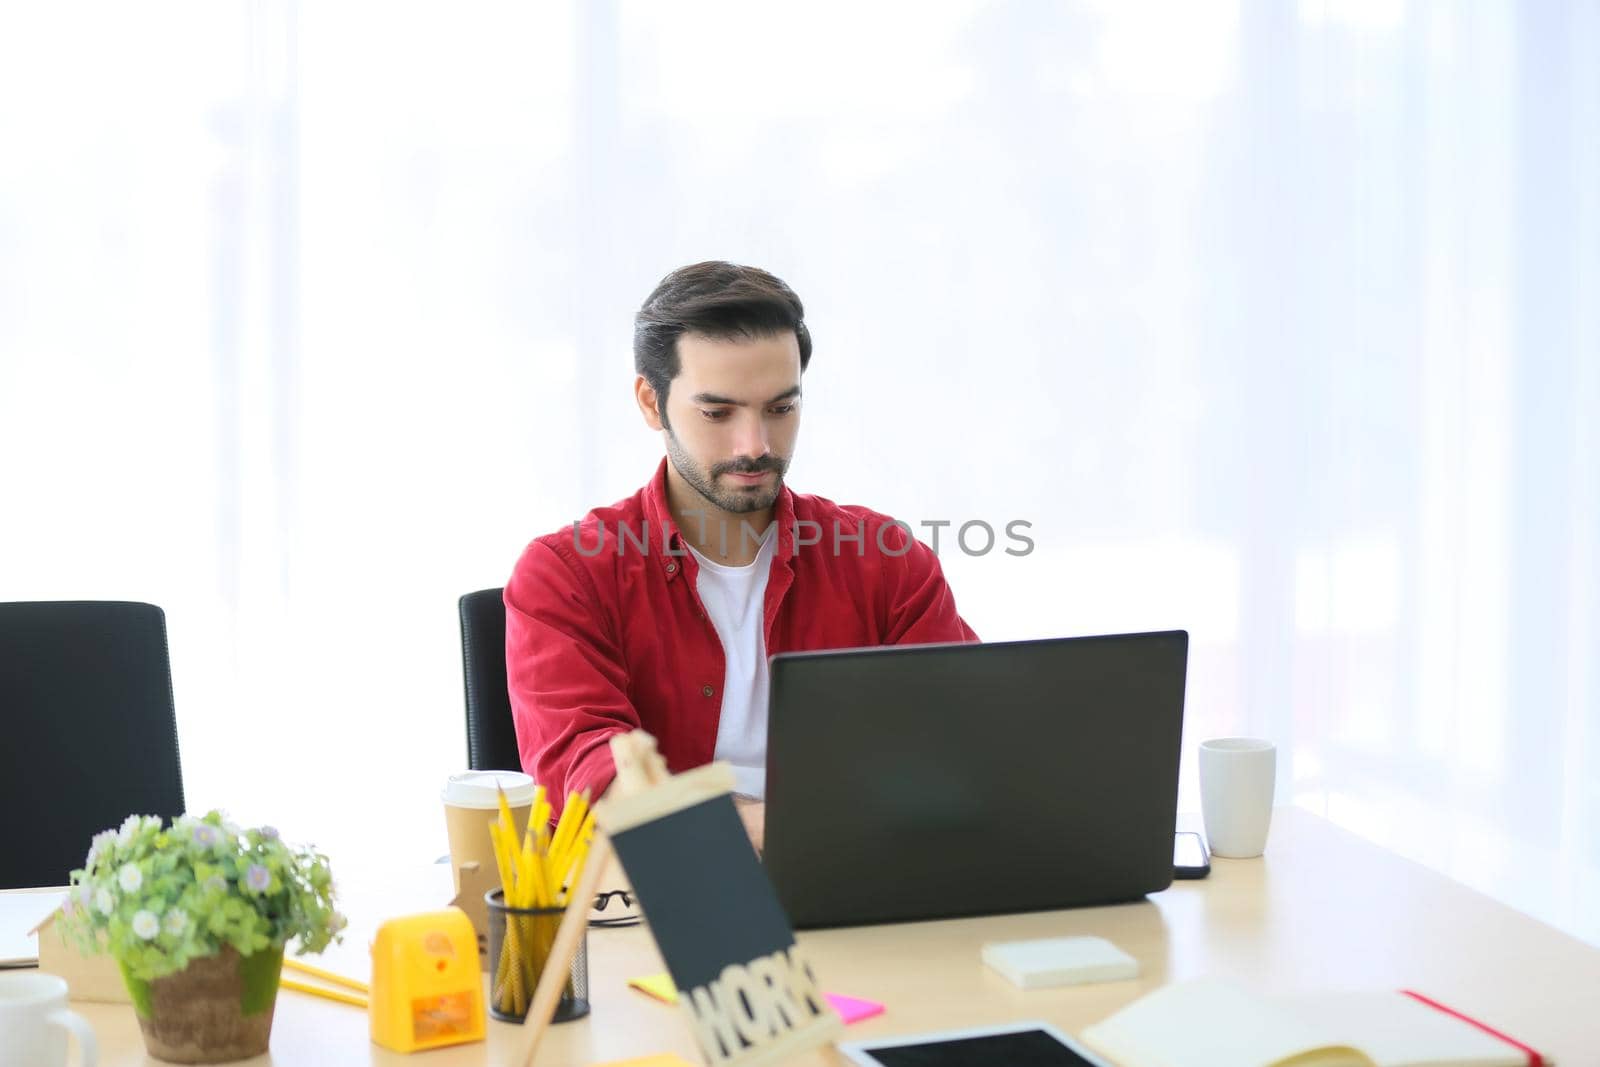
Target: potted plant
{"x": 197, "y": 915}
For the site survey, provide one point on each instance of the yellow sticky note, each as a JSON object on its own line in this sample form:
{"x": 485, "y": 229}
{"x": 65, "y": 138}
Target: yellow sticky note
{"x": 656, "y": 985}
{"x": 660, "y": 1059}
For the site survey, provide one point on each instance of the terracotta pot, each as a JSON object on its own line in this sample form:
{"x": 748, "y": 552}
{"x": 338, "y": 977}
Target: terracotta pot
{"x": 216, "y": 1010}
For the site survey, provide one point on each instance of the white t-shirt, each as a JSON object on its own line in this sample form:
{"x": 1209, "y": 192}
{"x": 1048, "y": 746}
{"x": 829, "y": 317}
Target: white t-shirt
{"x": 734, "y": 599}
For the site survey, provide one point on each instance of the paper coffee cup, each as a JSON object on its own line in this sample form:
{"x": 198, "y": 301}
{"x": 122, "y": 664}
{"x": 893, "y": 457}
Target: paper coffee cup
{"x": 471, "y": 803}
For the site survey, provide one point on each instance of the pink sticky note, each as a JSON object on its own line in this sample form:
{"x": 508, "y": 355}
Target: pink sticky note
{"x": 853, "y": 1009}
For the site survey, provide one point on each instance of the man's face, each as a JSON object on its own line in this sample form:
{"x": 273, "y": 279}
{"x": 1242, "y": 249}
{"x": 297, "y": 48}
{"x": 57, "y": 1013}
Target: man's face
{"x": 733, "y": 413}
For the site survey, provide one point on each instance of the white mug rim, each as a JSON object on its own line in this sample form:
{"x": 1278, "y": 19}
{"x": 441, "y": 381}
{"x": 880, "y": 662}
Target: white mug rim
{"x": 1237, "y": 745}
{"x": 46, "y": 989}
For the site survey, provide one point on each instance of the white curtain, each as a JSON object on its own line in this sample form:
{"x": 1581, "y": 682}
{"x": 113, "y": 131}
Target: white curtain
{"x": 1277, "y": 322}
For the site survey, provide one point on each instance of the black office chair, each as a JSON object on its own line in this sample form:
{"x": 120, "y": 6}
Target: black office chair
{"x": 89, "y": 731}
{"x": 491, "y": 737}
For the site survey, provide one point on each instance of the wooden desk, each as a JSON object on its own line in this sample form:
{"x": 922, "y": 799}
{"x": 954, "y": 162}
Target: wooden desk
{"x": 1323, "y": 910}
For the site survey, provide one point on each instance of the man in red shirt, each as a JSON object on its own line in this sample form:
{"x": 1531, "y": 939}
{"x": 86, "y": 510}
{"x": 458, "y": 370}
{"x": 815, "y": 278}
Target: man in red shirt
{"x": 660, "y": 611}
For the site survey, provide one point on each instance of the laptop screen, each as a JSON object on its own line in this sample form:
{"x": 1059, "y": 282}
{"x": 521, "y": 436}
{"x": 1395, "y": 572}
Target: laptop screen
{"x": 932, "y": 781}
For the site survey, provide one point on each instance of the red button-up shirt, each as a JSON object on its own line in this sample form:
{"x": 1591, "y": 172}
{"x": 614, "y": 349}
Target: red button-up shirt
{"x": 605, "y": 631}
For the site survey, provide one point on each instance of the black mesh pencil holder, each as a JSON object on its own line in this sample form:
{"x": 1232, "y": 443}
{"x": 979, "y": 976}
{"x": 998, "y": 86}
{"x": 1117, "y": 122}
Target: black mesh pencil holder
{"x": 519, "y": 948}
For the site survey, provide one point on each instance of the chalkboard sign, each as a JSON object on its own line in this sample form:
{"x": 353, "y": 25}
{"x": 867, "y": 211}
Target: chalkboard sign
{"x": 750, "y": 994}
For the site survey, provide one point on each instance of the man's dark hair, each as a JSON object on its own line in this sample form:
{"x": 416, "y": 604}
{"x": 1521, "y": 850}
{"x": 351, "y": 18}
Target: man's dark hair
{"x": 720, "y": 300}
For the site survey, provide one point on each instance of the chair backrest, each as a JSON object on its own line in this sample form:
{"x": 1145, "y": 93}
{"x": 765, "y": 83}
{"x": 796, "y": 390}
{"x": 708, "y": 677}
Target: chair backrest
{"x": 491, "y": 736}
{"x": 90, "y": 735}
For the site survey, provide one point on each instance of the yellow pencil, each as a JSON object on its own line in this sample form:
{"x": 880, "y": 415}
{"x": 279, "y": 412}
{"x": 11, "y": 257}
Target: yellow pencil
{"x": 533, "y": 889}
{"x": 502, "y": 859}
{"x": 568, "y": 830}
{"x": 529, "y": 837}
{"x": 508, "y": 825}
{"x": 580, "y": 811}
{"x": 564, "y": 827}
{"x": 547, "y": 864}
{"x": 540, "y": 813}
{"x": 575, "y": 872}
{"x": 542, "y": 840}
{"x": 499, "y": 858}
{"x": 564, "y": 868}
{"x": 326, "y": 976}
{"x": 570, "y": 865}
{"x": 586, "y": 831}
{"x": 318, "y": 991}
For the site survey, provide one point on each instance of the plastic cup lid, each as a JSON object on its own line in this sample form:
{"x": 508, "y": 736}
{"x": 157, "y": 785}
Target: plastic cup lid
{"x": 476, "y": 789}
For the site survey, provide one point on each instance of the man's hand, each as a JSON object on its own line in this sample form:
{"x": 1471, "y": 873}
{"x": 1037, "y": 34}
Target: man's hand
{"x": 753, "y": 813}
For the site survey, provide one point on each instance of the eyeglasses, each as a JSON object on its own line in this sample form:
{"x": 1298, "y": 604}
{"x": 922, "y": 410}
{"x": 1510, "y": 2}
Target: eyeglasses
{"x": 602, "y": 899}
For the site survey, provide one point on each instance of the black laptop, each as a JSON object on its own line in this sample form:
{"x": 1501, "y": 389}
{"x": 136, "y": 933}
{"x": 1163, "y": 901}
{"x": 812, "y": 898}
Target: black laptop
{"x": 933, "y": 781}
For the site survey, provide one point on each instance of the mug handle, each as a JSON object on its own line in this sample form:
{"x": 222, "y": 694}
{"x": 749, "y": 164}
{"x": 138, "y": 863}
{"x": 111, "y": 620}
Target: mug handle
{"x": 88, "y": 1047}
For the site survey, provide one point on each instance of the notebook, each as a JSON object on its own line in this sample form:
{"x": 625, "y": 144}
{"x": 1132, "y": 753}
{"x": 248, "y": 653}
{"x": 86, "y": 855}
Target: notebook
{"x": 1210, "y": 1023}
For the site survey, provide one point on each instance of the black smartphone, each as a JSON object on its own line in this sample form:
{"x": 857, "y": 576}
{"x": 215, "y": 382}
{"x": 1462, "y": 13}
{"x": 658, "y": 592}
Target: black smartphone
{"x": 1189, "y": 856}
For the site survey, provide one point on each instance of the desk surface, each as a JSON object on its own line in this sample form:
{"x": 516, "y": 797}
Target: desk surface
{"x": 1323, "y": 910}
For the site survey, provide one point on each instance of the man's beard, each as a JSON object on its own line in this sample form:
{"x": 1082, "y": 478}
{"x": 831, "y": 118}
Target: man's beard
{"x": 737, "y": 500}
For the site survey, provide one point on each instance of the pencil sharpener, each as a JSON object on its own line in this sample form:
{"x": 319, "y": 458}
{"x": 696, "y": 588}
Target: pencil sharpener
{"x": 427, "y": 988}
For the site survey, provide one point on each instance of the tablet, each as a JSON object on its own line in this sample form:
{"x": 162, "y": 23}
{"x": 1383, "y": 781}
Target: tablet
{"x": 1028, "y": 1044}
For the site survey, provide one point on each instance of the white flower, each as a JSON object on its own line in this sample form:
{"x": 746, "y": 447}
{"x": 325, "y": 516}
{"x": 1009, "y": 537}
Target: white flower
{"x": 103, "y": 901}
{"x": 175, "y": 922}
{"x": 98, "y": 844}
{"x": 130, "y": 826}
{"x": 129, "y": 878}
{"x": 146, "y": 925}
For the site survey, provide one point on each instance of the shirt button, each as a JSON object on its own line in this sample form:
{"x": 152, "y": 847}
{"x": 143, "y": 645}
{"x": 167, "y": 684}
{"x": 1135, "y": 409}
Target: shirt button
{"x": 706, "y": 690}
{"x": 672, "y": 568}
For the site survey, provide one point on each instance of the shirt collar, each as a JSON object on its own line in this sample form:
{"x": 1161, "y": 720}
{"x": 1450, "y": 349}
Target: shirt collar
{"x": 659, "y": 515}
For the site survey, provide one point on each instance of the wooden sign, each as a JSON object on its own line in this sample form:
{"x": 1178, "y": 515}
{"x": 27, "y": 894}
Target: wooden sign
{"x": 749, "y": 992}
{"x": 557, "y": 967}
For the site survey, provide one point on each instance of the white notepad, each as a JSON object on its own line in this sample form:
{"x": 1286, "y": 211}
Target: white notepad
{"x": 1057, "y": 961}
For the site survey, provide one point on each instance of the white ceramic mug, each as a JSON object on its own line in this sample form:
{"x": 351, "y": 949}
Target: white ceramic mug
{"x": 34, "y": 1020}
{"x": 1236, "y": 781}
